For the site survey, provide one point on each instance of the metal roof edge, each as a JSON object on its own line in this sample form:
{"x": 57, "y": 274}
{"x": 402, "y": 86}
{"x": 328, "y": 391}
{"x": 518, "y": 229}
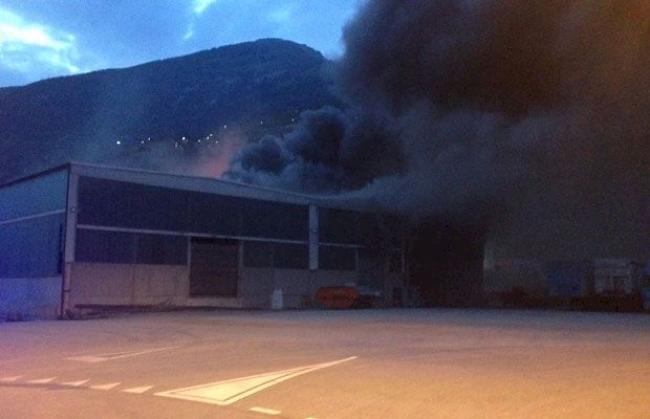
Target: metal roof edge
{"x": 329, "y": 200}
{"x": 189, "y": 177}
{"x": 57, "y": 168}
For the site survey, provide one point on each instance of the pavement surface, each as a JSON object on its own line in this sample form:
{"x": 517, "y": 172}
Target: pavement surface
{"x": 329, "y": 364}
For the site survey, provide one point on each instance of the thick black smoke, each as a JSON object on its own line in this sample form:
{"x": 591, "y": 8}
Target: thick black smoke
{"x": 532, "y": 113}
{"x": 328, "y": 151}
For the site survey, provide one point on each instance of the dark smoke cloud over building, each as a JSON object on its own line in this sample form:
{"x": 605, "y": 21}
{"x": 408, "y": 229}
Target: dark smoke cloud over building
{"x": 329, "y": 151}
{"x": 533, "y": 115}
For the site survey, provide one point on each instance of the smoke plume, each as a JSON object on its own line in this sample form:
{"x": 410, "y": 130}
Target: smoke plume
{"x": 328, "y": 151}
{"x": 533, "y": 114}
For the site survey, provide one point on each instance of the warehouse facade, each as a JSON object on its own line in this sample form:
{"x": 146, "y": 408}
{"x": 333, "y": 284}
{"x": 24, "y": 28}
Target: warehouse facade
{"x": 84, "y": 235}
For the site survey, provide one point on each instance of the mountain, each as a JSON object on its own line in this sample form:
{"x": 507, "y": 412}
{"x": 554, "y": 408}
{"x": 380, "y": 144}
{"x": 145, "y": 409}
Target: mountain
{"x": 255, "y": 88}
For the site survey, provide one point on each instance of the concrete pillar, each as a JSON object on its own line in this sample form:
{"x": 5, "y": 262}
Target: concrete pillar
{"x": 313, "y": 237}
{"x": 70, "y": 240}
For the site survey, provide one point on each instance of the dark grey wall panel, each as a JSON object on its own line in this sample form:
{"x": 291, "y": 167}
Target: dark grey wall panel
{"x": 105, "y": 247}
{"x": 339, "y": 226}
{"x": 351, "y": 227}
{"x": 121, "y": 204}
{"x": 290, "y": 256}
{"x": 276, "y": 255}
{"x": 32, "y": 248}
{"x": 154, "y": 249}
{"x": 258, "y": 254}
{"x": 34, "y": 196}
{"x": 215, "y": 214}
{"x": 332, "y": 258}
{"x": 97, "y": 246}
{"x": 275, "y": 220}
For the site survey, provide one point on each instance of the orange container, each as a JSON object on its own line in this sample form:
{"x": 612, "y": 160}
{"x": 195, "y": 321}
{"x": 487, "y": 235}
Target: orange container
{"x": 337, "y": 297}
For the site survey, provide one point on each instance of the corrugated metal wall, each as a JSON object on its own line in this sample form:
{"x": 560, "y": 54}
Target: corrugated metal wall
{"x": 32, "y": 220}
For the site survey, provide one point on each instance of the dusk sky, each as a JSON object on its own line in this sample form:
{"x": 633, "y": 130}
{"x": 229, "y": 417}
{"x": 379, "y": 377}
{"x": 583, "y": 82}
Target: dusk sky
{"x": 47, "y": 38}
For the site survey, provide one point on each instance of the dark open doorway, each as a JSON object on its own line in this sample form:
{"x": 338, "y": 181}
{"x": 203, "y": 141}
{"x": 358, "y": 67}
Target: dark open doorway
{"x": 214, "y": 268}
{"x": 446, "y": 263}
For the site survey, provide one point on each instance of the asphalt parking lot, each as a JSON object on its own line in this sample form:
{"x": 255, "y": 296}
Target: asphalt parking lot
{"x": 329, "y": 364}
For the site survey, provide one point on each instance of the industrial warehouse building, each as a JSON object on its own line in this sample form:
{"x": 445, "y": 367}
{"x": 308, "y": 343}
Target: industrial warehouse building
{"x": 82, "y": 235}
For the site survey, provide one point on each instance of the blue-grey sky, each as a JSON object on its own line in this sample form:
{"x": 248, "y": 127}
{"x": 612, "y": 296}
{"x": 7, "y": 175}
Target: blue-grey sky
{"x": 46, "y": 38}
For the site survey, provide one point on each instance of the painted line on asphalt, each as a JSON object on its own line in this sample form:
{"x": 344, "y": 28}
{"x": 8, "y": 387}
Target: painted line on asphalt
{"x": 79, "y": 383}
{"x": 105, "y": 387}
{"x": 75, "y": 383}
{"x": 274, "y": 377}
{"x": 227, "y": 392}
{"x": 42, "y": 380}
{"x": 137, "y": 390}
{"x": 265, "y": 411}
{"x": 92, "y": 359}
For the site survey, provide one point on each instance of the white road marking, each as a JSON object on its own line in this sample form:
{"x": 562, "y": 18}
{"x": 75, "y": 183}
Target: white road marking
{"x": 137, "y": 390}
{"x": 41, "y": 380}
{"x": 229, "y": 391}
{"x": 75, "y": 383}
{"x": 265, "y": 411}
{"x": 91, "y": 359}
{"x": 105, "y": 387}
{"x": 10, "y": 379}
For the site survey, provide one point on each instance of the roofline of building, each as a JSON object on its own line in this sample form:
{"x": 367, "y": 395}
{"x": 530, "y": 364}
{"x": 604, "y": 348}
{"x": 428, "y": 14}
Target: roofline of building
{"x": 57, "y": 168}
{"x": 204, "y": 178}
{"x": 320, "y": 200}
{"x": 69, "y": 164}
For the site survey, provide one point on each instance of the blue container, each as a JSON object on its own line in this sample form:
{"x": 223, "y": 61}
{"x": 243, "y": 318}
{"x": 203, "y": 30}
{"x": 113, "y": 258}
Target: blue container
{"x": 569, "y": 278}
{"x": 645, "y": 287}
{"x": 645, "y": 294}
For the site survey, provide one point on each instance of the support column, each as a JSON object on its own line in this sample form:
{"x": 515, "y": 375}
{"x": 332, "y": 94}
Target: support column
{"x": 313, "y": 237}
{"x": 70, "y": 240}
